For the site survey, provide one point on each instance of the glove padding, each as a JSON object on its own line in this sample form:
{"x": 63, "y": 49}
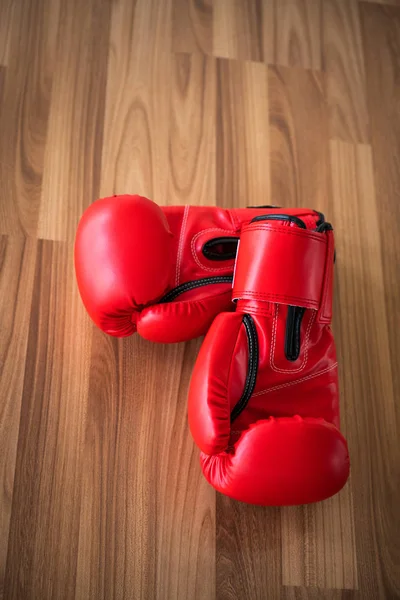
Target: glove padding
{"x": 263, "y": 399}
{"x": 270, "y": 461}
{"x": 164, "y": 272}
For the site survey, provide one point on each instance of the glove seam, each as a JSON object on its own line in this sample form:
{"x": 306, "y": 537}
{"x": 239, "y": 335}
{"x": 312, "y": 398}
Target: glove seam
{"x": 325, "y": 318}
{"x": 263, "y": 312}
{"x": 303, "y": 233}
{"x": 236, "y": 223}
{"x": 277, "y": 297}
{"x": 180, "y": 247}
{"x": 296, "y": 381}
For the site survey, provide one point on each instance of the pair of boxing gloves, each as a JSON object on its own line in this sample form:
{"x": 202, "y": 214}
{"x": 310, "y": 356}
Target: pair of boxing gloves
{"x": 263, "y": 399}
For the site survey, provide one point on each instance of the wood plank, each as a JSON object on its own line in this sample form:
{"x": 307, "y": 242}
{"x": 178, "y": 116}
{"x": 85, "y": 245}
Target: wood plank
{"x": 186, "y": 538}
{"x": 98, "y": 542}
{"x": 318, "y": 544}
{"x": 248, "y": 550}
{"x": 192, "y": 26}
{"x": 345, "y": 73}
{"x": 307, "y": 593}
{"x": 248, "y": 538}
{"x": 318, "y": 541}
{"x": 32, "y": 27}
{"x": 390, "y": 2}
{"x": 381, "y": 31}
{"x": 3, "y": 71}
{"x": 299, "y": 156}
{"x": 147, "y": 525}
{"x": 17, "y": 268}
{"x": 43, "y": 542}
{"x": 192, "y": 144}
{"x": 136, "y": 136}
{"x": 268, "y": 30}
{"x": 278, "y": 32}
{"x": 367, "y": 387}
{"x": 297, "y": 33}
{"x": 74, "y": 143}
{"x": 7, "y": 8}
{"x": 242, "y": 134}
{"x": 238, "y": 29}
{"x": 319, "y": 535}
{"x": 103, "y": 497}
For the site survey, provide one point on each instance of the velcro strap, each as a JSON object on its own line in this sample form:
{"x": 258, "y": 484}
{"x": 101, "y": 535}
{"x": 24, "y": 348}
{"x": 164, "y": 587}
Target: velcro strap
{"x": 281, "y": 264}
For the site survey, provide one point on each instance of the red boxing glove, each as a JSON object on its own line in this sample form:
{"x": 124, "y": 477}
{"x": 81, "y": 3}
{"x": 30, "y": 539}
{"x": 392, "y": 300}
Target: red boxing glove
{"x": 263, "y": 399}
{"x": 165, "y": 272}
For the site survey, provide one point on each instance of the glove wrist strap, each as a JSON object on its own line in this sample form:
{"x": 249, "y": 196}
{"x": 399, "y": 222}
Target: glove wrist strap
{"x": 285, "y": 265}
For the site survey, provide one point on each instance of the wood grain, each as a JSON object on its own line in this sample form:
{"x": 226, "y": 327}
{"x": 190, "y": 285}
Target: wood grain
{"x": 17, "y": 266}
{"x": 131, "y": 481}
{"x": 345, "y": 73}
{"x": 43, "y": 542}
{"x": 136, "y": 134}
{"x": 248, "y": 550}
{"x": 318, "y": 544}
{"x": 224, "y": 102}
{"x": 238, "y": 29}
{"x": 325, "y": 553}
{"x": 305, "y": 593}
{"x": 186, "y": 527}
{"x": 7, "y": 8}
{"x": 192, "y": 137}
{"x": 391, "y": 2}
{"x": 369, "y": 399}
{"x": 297, "y": 38}
{"x": 284, "y": 32}
{"x": 381, "y": 32}
{"x": 24, "y": 112}
{"x": 3, "y": 71}
{"x": 72, "y": 162}
{"x": 299, "y": 158}
{"x": 242, "y": 134}
{"x": 192, "y": 26}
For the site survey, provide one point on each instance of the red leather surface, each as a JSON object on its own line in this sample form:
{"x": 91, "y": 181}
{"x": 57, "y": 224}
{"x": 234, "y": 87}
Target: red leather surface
{"x": 269, "y": 251}
{"x": 216, "y": 383}
{"x": 281, "y": 462}
{"x": 285, "y": 447}
{"x": 325, "y": 311}
{"x": 129, "y": 252}
{"x": 119, "y": 247}
{"x": 191, "y": 318}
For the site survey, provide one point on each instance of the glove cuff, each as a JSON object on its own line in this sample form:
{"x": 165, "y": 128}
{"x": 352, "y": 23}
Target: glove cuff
{"x": 285, "y": 265}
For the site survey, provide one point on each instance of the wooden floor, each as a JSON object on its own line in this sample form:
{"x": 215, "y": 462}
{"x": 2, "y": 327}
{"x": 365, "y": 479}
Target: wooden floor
{"x": 226, "y": 102}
